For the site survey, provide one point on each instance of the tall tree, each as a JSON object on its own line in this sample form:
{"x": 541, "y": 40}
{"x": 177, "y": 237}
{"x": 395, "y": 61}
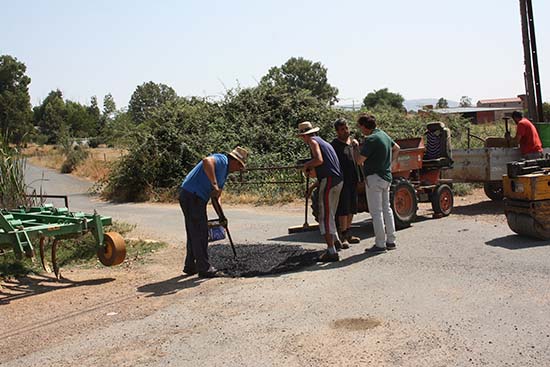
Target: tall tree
{"x": 109, "y": 105}
{"x": 383, "y": 98}
{"x": 465, "y": 101}
{"x": 95, "y": 113}
{"x": 109, "y": 109}
{"x": 15, "y": 106}
{"x": 81, "y": 120}
{"x": 93, "y": 109}
{"x": 442, "y": 103}
{"x": 147, "y": 98}
{"x": 51, "y": 116}
{"x": 299, "y": 74}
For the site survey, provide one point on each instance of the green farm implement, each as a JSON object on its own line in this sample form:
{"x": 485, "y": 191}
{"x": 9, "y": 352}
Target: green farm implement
{"x": 21, "y": 229}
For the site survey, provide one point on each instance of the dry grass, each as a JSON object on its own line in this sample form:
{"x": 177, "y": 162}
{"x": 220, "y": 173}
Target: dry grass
{"x": 96, "y": 167}
{"x": 106, "y": 154}
{"x": 93, "y": 169}
{"x": 257, "y": 199}
{"x": 47, "y": 156}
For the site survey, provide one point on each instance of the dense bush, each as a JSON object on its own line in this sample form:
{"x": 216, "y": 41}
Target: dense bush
{"x": 73, "y": 158}
{"x": 178, "y": 134}
{"x": 262, "y": 119}
{"x": 157, "y": 161}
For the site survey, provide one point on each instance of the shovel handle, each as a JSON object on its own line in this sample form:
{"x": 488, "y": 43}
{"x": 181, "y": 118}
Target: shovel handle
{"x": 221, "y": 216}
{"x": 217, "y": 207}
{"x": 307, "y": 199}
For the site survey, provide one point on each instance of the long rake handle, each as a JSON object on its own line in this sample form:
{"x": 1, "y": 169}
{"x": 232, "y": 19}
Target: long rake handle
{"x": 306, "y": 224}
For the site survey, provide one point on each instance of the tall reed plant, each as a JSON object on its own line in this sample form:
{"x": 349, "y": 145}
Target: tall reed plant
{"x": 12, "y": 176}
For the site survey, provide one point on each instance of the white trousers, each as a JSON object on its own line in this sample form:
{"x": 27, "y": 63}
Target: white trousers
{"x": 378, "y": 199}
{"x": 328, "y": 203}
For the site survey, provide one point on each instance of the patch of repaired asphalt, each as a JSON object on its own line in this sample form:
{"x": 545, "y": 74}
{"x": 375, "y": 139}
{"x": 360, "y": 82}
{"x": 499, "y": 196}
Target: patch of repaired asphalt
{"x": 261, "y": 259}
{"x": 358, "y": 323}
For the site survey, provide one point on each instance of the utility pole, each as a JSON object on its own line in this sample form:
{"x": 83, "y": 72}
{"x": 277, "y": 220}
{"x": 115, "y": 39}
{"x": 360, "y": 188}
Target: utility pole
{"x": 532, "y": 78}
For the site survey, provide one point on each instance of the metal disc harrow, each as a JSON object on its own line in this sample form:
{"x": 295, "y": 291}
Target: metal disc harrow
{"x": 21, "y": 228}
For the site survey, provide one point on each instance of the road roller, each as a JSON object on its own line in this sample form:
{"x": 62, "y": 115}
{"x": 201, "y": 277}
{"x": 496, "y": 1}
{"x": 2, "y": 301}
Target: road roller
{"x": 527, "y": 197}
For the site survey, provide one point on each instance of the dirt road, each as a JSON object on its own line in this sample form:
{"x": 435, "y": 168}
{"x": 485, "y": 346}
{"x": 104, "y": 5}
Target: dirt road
{"x": 458, "y": 291}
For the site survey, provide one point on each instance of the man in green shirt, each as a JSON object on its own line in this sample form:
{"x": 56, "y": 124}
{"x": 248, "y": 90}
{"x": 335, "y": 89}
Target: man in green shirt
{"x": 376, "y": 156}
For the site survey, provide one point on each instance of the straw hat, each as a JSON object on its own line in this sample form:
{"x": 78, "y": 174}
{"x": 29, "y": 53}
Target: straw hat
{"x": 306, "y": 128}
{"x": 240, "y": 154}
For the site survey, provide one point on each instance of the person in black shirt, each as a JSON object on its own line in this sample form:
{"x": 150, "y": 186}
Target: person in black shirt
{"x": 344, "y": 146}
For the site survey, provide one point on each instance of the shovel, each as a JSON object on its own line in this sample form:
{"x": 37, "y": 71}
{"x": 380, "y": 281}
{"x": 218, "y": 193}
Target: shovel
{"x": 223, "y": 222}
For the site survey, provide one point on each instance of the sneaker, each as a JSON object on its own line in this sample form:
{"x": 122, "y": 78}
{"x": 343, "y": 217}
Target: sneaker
{"x": 327, "y": 257}
{"x": 375, "y": 249}
{"x": 390, "y": 246}
{"x": 353, "y": 239}
{"x": 189, "y": 270}
{"x": 212, "y": 272}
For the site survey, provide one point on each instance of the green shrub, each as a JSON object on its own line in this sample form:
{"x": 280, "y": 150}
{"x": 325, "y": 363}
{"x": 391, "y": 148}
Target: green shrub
{"x": 159, "y": 161}
{"x": 463, "y": 189}
{"x": 74, "y": 157}
{"x": 94, "y": 142}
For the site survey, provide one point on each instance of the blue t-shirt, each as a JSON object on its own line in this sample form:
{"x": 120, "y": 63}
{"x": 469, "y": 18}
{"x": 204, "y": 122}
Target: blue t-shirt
{"x": 198, "y": 183}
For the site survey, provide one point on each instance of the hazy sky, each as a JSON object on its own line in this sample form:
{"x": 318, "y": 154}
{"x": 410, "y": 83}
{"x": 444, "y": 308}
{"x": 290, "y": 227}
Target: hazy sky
{"x": 421, "y": 49}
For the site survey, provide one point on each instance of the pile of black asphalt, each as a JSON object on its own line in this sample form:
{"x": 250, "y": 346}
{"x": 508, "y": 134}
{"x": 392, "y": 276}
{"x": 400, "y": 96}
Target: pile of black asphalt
{"x": 261, "y": 259}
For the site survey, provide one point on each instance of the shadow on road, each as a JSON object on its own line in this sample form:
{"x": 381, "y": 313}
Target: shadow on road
{"x": 483, "y": 207}
{"x": 362, "y": 229}
{"x": 516, "y": 242}
{"x": 170, "y": 286}
{"x": 13, "y": 289}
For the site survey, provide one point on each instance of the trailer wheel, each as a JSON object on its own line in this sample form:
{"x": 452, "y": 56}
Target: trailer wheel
{"x": 494, "y": 190}
{"x": 442, "y": 200}
{"x": 403, "y": 203}
{"x": 114, "y": 250}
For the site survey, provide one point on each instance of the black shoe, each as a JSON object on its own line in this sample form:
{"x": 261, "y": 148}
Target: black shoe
{"x": 337, "y": 245}
{"x": 212, "y": 272}
{"x": 375, "y": 250}
{"x": 190, "y": 270}
{"x": 390, "y": 246}
{"x": 327, "y": 257}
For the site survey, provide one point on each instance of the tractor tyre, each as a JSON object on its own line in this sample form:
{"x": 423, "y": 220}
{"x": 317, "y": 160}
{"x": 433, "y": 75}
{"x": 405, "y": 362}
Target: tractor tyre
{"x": 403, "y": 202}
{"x": 442, "y": 200}
{"x": 494, "y": 190}
{"x": 114, "y": 250}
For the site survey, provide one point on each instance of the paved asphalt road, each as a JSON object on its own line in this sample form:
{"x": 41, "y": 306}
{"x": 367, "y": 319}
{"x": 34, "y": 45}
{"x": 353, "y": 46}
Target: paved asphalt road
{"x": 458, "y": 291}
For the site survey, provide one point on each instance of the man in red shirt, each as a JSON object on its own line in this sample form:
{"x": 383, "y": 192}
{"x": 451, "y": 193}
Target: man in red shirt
{"x": 527, "y": 137}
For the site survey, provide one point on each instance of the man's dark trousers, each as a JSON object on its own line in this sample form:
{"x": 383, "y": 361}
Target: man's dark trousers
{"x": 196, "y": 227}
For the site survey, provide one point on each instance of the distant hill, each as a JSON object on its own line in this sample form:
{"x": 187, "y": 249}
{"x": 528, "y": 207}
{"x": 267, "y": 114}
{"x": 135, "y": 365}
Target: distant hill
{"x": 416, "y": 104}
